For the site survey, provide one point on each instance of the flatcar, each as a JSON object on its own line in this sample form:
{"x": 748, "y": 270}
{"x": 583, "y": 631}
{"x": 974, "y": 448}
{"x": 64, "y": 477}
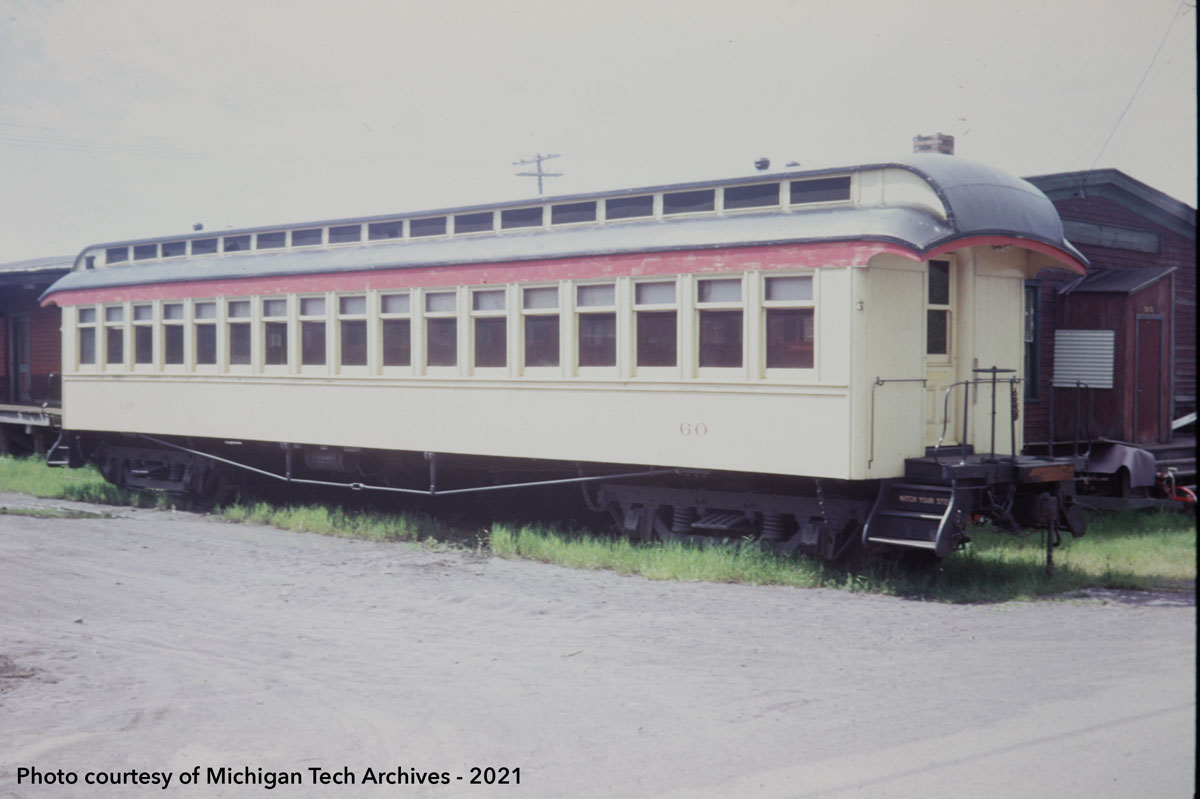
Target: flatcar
{"x": 826, "y": 360}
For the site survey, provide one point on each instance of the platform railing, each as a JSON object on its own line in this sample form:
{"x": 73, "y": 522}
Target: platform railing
{"x": 1083, "y": 415}
{"x": 995, "y": 381}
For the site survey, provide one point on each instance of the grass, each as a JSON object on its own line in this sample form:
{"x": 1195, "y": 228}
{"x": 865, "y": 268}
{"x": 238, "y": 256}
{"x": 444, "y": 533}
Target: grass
{"x": 337, "y": 521}
{"x": 1136, "y": 550}
{"x": 32, "y": 476}
{"x": 52, "y": 513}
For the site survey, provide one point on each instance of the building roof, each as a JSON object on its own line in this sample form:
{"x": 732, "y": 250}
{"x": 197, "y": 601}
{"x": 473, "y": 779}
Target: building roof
{"x": 1117, "y": 281}
{"x": 35, "y": 272}
{"x": 1115, "y": 185}
{"x": 55, "y": 263}
{"x": 979, "y": 204}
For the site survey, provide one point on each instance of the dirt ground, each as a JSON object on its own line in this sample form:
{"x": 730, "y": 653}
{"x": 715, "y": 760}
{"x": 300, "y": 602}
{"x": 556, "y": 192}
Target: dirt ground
{"x": 159, "y": 642}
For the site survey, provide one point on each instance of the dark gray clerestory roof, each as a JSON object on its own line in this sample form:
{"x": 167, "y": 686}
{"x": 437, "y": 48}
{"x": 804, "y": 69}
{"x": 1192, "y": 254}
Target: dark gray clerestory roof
{"x": 980, "y": 201}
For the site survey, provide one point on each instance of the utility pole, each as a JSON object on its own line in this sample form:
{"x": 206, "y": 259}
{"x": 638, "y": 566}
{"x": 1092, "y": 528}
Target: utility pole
{"x": 538, "y": 159}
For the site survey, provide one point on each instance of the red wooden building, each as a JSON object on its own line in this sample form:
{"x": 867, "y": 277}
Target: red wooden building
{"x": 1114, "y": 337}
{"x": 30, "y": 353}
{"x": 1141, "y": 288}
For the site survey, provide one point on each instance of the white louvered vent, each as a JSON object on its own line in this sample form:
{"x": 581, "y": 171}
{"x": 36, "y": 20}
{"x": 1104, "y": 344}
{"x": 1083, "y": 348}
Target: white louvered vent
{"x": 1085, "y": 356}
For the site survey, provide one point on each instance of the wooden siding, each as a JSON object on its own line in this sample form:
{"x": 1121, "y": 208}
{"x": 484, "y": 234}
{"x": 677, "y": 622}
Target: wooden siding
{"x": 1176, "y": 250}
{"x": 45, "y": 345}
{"x": 1113, "y": 410}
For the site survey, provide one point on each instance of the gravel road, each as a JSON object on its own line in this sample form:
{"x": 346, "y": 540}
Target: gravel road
{"x": 150, "y": 644}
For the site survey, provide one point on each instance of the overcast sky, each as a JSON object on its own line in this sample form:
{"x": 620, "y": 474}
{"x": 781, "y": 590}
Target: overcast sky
{"x": 128, "y": 118}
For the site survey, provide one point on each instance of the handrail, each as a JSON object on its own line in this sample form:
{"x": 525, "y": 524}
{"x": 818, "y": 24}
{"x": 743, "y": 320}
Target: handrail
{"x": 1012, "y": 381}
{"x": 1080, "y": 388}
{"x": 993, "y": 380}
{"x": 946, "y": 420}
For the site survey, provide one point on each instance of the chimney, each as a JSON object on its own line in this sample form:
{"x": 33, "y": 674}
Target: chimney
{"x": 938, "y": 143}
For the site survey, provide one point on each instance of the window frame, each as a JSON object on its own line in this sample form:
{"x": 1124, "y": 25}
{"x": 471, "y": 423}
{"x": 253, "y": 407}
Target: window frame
{"x": 524, "y": 314}
{"x": 790, "y": 205}
{"x": 948, "y": 308}
{"x": 701, "y": 307}
{"x": 339, "y": 339}
{"x": 91, "y": 326}
{"x": 303, "y": 319}
{"x": 791, "y": 373}
{"x": 165, "y": 324}
{"x": 138, "y": 325}
{"x": 490, "y": 314}
{"x": 262, "y": 344}
{"x": 579, "y": 311}
{"x": 228, "y": 320}
{"x": 198, "y": 323}
{"x": 441, "y": 370}
{"x": 383, "y": 316}
{"x": 656, "y": 371}
{"x": 120, "y": 326}
{"x": 1031, "y": 342}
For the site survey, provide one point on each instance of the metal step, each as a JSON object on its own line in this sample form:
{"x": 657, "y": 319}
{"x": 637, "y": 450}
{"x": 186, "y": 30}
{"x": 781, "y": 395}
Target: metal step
{"x": 911, "y": 514}
{"x": 916, "y": 515}
{"x": 904, "y": 542}
{"x": 59, "y": 453}
{"x": 933, "y": 489}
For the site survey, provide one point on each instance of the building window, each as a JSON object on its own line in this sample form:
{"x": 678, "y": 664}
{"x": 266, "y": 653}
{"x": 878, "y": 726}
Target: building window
{"x": 629, "y": 207}
{"x": 397, "y": 329}
{"x": 937, "y": 310}
{"x": 821, "y": 190}
{"x": 143, "y": 334}
{"x": 238, "y": 327}
{"x": 312, "y": 331}
{"x": 441, "y": 328}
{"x": 352, "y": 326}
{"x": 491, "y": 328}
{"x": 521, "y": 217}
{"x": 655, "y": 320}
{"x": 1033, "y": 318}
{"x": 689, "y": 202}
{"x": 114, "y": 335}
{"x": 272, "y": 240}
{"x": 172, "y": 333}
{"x": 376, "y": 231}
{"x": 429, "y": 226}
{"x": 569, "y": 213}
{"x": 473, "y": 223}
{"x": 87, "y": 335}
{"x": 275, "y": 332}
{"x": 788, "y": 318}
{"x": 540, "y": 312}
{"x": 757, "y": 195}
{"x": 597, "y": 324}
{"x": 204, "y": 316}
{"x": 307, "y": 238}
{"x": 343, "y": 234}
{"x": 720, "y": 317}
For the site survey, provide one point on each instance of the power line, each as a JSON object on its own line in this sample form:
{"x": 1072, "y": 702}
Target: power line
{"x": 1137, "y": 89}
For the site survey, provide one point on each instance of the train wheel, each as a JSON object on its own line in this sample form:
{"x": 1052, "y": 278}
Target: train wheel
{"x": 213, "y": 489}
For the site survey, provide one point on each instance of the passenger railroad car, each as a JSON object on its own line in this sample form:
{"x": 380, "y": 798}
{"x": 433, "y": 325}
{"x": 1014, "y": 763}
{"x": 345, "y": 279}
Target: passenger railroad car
{"x": 777, "y": 342}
